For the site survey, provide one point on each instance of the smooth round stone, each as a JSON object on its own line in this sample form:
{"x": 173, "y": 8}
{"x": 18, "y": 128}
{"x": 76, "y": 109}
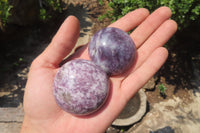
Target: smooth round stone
{"x": 113, "y": 50}
{"x": 80, "y": 87}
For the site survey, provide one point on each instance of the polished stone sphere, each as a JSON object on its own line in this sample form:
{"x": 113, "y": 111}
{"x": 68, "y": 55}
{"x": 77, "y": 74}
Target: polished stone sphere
{"x": 80, "y": 87}
{"x": 113, "y": 50}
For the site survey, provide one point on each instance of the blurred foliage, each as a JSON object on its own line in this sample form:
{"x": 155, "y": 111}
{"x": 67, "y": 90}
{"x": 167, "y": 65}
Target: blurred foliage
{"x": 47, "y": 6}
{"x": 162, "y": 89}
{"x": 46, "y": 9}
{"x": 184, "y": 11}
{"x": 100, "y": 2}
{"x": 4, "y": 12}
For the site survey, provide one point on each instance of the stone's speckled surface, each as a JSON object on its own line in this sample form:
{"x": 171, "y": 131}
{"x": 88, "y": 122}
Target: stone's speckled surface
{"x": 80, "y": 87}
{"x": 113, "y": 50}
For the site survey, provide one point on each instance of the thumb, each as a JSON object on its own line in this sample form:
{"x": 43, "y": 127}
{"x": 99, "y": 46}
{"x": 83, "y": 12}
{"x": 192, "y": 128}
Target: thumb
{"x": 62, "y": 43}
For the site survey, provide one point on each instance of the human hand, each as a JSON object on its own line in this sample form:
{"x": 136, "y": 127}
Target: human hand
{"x": 43, "y": 115}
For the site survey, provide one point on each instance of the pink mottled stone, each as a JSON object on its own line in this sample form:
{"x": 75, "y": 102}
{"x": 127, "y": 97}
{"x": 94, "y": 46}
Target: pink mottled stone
{"x": 80, "y": 87}
{"x": 113, "y": 50}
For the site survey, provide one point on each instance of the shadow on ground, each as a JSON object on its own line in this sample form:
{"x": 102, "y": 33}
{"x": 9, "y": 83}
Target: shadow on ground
{"x": 19, "y": 45}
{"x": 182, "y": 68}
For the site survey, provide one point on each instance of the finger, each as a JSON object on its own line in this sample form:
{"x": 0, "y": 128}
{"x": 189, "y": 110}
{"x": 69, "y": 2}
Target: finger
{"x": 137, "y": 79}
{"x": 126, "y": 23}
{"x": 62, "y": 43}
{"x": 131, "y": 20}
{"x": 144, "y": 30}
{"x": 157, "y": 39}
{"x": 153, "y": 21}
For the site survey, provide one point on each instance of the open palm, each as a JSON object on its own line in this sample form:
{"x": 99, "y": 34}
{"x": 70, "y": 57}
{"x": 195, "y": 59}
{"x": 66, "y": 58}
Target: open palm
{"x": 42, "y": 114}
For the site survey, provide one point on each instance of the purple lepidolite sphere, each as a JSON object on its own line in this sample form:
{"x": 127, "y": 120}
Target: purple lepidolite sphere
{"x": 113, "y": 50}
{"x": 80, "y": 87}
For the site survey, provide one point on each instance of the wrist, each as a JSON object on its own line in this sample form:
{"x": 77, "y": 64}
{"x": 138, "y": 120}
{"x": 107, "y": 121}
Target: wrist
{"x": 28, "y": 126}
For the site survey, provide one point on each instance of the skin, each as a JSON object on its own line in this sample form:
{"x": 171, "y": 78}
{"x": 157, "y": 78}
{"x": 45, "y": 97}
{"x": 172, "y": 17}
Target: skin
{"x": 42, "y": 114}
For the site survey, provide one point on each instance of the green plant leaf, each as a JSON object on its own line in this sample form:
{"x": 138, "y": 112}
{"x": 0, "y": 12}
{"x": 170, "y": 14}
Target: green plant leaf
{"x": 162, "y": 89}
{"x": 184, "y": 11}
